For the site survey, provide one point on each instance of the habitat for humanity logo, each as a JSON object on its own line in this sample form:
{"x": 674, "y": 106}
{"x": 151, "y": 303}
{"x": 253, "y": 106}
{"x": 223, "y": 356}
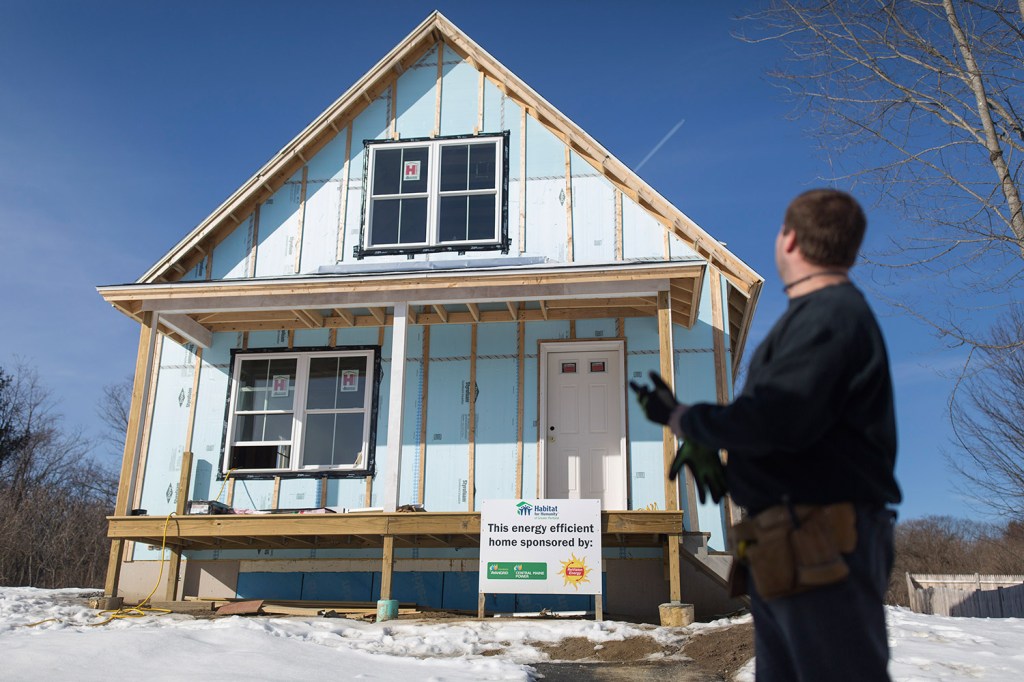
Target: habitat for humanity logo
{"x": 545, "y": 511}
{"x": 524, "y": 508}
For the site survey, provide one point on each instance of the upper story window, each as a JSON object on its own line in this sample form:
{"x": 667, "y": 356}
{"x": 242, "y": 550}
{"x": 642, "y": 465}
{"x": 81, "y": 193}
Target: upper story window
{"x": 307, "y": 412}
{"x": 441, "y": 194}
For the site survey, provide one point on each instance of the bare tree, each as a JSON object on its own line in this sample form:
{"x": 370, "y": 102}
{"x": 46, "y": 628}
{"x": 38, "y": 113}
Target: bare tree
{"x": 940, "y": 544}
{"x": 113, "y": 409}
{"x": 987, "y": 412}
{"x": 53, "y": 497}
{"x": 923, "y": 98}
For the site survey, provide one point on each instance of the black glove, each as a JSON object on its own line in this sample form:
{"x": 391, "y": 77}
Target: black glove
{"x": 657, "y": 401}
{"x": 706, "y": 467}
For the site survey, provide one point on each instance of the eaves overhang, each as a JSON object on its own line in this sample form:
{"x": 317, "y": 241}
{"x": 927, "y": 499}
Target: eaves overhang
{"x": 194, "y": 310}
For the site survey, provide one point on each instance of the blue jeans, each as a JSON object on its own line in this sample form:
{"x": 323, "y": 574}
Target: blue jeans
{"x": 836, "y": 632}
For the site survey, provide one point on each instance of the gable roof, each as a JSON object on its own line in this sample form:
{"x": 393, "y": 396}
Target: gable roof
{"x": 436, "y": 28}
{"x": 744, "y": 283}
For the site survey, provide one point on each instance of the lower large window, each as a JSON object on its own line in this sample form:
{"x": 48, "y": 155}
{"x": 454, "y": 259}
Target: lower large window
{"x": 301, "y": 411}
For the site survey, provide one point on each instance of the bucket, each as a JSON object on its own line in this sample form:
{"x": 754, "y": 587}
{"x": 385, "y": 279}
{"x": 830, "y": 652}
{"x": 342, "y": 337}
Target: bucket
{"x": 675, "y": 614}
{"x": 387, "y": 609}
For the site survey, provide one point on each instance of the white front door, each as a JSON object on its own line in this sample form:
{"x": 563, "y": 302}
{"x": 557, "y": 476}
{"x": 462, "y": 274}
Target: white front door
{"x": 583, "y": 434}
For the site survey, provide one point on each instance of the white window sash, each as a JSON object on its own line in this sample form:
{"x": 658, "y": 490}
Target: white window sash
{"x": 299, "y": 412}
{"x": 434, "y": 193}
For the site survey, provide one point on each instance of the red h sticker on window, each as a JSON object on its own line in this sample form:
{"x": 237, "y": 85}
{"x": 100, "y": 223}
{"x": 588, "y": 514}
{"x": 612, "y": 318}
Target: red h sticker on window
{"x": 280, "y": 386}
{"x": 412, "y": 170}
{"x": 349, "y": 380}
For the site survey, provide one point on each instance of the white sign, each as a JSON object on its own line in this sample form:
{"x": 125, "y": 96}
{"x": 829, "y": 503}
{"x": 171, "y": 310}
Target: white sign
{"x": 349, "y": 380}
{"x": 411, "y": 170}
{"x": 280, "y": 386}
{"x": 540, "y": 546}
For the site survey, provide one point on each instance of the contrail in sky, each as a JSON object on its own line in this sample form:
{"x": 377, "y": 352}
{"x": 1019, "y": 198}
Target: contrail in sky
{"x": 660, "y": 144}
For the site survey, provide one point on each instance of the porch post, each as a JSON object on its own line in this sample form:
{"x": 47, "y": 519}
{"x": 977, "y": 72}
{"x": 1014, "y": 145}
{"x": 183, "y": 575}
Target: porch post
{"x": 396, "y": 402}
{"x": 668, "y": 441}
{"x": 732, "y": 511}
{"x": 133, "y": 440}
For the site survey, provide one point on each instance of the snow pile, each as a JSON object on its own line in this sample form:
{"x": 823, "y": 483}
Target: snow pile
{"x": 48, "y": 635}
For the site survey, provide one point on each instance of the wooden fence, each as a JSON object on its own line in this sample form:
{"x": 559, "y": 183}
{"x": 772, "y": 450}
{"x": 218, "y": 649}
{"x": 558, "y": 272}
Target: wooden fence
{"x": 971, "y": 596}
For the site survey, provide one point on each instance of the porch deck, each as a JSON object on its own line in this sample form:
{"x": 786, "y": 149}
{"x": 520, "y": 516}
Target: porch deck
{"x": 387, "y": 531}
{"x": 364, "y": 530}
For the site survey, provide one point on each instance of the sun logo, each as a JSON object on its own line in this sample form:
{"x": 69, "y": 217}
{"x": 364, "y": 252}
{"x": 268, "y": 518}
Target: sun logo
{"x": 575, "y": 571}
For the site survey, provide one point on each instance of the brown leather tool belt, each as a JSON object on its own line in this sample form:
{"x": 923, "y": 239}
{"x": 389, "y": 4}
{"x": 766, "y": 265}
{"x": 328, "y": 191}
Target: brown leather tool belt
{"x": 789, "y": 549}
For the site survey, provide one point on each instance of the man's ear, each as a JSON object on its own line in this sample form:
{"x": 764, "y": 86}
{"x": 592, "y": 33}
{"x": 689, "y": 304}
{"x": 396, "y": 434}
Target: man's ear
{"x": 789, "y": 241}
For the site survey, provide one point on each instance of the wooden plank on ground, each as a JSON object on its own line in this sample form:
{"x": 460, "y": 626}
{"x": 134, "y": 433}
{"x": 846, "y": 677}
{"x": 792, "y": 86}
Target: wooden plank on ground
{"x": 241, "y": 608}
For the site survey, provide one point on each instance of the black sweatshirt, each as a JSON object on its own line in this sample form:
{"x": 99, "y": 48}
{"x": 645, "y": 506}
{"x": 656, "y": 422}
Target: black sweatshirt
{"x": 815, "y": 422}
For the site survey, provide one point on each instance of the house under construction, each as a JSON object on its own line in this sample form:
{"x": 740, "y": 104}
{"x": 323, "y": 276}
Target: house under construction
{"x": 434, "y": 295}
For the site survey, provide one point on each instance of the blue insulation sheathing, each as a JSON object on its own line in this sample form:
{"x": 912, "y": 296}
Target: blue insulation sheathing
{"x": 593, "y": 214}
{"x": 446, "y": 472}
{"x": 416, "y": 95}
{"x": 278, "y": 230}
{"x": 320, "y": 221}
{"x": 596, "y": 329}
{"x": 231, "y": 255}
{"x": 166, "y": 441}
{"x": 167, "y": 431}
{"x": 208, "y": 427}
{"x": 408, "y": 488}
{"x": 647, "y": 485}
{"x": 371, "y": 124}
{"x": 642, "y": 235}
{"x": 459, "y": 93}
{"x": 340, "y": 586}
{"x": 496, "y": 409}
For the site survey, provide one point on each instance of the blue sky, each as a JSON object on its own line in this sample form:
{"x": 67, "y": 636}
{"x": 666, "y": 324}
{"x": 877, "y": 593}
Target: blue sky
{"x": 124, "y": 124}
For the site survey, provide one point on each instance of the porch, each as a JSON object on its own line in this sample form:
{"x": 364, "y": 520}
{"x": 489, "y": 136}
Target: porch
{"x": 372, "y": 530}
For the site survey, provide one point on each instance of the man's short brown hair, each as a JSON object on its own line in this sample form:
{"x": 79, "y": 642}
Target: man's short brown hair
{"x": 829, "y": 226}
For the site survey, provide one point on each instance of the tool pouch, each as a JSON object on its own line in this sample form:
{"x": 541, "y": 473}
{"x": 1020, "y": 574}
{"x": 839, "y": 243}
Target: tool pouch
{"x": 790, "y": 549}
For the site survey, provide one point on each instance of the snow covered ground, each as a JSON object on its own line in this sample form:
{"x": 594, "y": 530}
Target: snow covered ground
{"x": 67, "y": 647}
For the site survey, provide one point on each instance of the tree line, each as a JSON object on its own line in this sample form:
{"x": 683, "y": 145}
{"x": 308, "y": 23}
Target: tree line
{"x": 54, "y": 496}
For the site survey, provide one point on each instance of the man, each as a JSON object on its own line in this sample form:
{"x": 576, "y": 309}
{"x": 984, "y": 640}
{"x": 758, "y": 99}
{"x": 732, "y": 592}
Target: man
{"x": 813, "y": 427}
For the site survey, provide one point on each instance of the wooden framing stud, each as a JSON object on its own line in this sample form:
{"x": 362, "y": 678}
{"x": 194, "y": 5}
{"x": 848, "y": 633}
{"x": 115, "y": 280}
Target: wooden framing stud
{"x": 521, "y": 379}
{"x": 442, "y": 312}
{"x": 380, "y": 315}
{"x": 568, "y": 205}
{"x": 425, "y": 368}
{"x": 437, "y": 95}
{"x": 302, "y": 217}
{"x": 522, "y": 182}
{"x": 513, "y": 313}
{"x": 471, "y": 476}
{"x": 474, "y": 310}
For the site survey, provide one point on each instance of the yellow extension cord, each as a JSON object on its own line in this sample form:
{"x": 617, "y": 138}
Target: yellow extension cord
{"x": 140, "y": 610}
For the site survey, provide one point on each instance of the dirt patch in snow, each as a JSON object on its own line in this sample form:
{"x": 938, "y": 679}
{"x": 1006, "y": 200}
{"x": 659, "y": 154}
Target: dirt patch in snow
{"x": 722, "y": 651}
{"x": 581, "y": 648}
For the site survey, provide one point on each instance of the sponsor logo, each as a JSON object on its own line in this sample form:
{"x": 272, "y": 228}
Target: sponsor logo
{"x": 575, "y": 571}
{"x": 545, "y": 511}
{"x": 524, "y": 508}
{"x": 501, "y": 570}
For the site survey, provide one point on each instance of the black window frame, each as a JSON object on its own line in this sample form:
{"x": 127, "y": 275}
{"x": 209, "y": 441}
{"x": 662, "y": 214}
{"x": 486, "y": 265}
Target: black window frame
{"x": 501, "y": 243}
{"x": 375, "y": 378}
